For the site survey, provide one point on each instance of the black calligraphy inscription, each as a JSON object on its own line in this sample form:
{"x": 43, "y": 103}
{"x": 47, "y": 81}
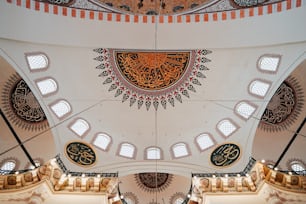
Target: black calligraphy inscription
{"x": 225, "y": 155}
{"x": 80, "y": 153}
{"x": 25, "y": 104}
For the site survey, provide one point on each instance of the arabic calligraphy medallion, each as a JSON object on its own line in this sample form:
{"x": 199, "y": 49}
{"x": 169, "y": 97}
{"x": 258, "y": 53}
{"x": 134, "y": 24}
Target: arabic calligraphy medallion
{"x": 225, "y": 155}
{"x": 80, "y": 153}
{"x": 152, "y": 78}
{"x": 25, "y": 103}
{"x": 152, "y": 71}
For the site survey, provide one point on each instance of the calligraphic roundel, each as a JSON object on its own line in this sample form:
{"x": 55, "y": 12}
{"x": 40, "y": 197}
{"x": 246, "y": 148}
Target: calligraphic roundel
{"x": 80, "y": 153}
{"x": 152, "y": 70}
{"x": 225, "y": 155}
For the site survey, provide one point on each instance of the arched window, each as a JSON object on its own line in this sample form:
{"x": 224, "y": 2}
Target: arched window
{"x": 127, "y": 150}
{"x": 37, "y": 61}
{"x": 153, "y": 153}
{"x": 180, "y": 150}
{"x": 226, "y": 127}
{"x": 102, "y": 141}
{"x": 298, "y": 167}
{"x": 8, "y": 166}
{"x": 259, "y": 88}
{"x": 61, "y": 108}
{"x": 268, "y": 63}
{"x": 245, "y": 109}
{"x": 204, "y": 141}
{"x": 178, "y": 201}
{"x": 47, "y": 86}
{"x": 80, "y": 127}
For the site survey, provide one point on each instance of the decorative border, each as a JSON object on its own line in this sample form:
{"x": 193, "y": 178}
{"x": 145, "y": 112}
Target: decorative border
{"x": 64, "y": 169}
{"x": 190, "y": 18}
{"x": 115, "y": 9}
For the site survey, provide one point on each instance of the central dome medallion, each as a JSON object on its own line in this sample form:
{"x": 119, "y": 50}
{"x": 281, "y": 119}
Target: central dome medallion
{"x": 152, "y": 77}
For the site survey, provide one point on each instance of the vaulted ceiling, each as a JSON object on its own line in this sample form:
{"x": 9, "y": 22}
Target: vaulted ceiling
{"x": 111, "y": 88}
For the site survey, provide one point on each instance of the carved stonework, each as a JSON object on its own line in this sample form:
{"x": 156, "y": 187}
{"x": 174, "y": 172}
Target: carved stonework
{"x": 58, "y": 180}
{"x": 275, "y": 196}
{"x": 21, "y": 106}
{"x": 35, "y": 196}
{"x": 153, "y": 181}
{"x": 152, "y": 78}
{"x": 251, "y": 182}
{"x": 284, "y": 107}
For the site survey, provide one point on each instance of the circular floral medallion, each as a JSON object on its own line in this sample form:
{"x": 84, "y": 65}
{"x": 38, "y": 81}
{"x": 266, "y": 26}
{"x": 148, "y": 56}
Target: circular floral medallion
{"x": 153, "y": 181}
{"x": 21, "y": 105}
{"x": 225, "y": 155}
{"x": 152, "y": 77}
{"x": 284, "y": 106}
{"x": 80, "y": 153}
